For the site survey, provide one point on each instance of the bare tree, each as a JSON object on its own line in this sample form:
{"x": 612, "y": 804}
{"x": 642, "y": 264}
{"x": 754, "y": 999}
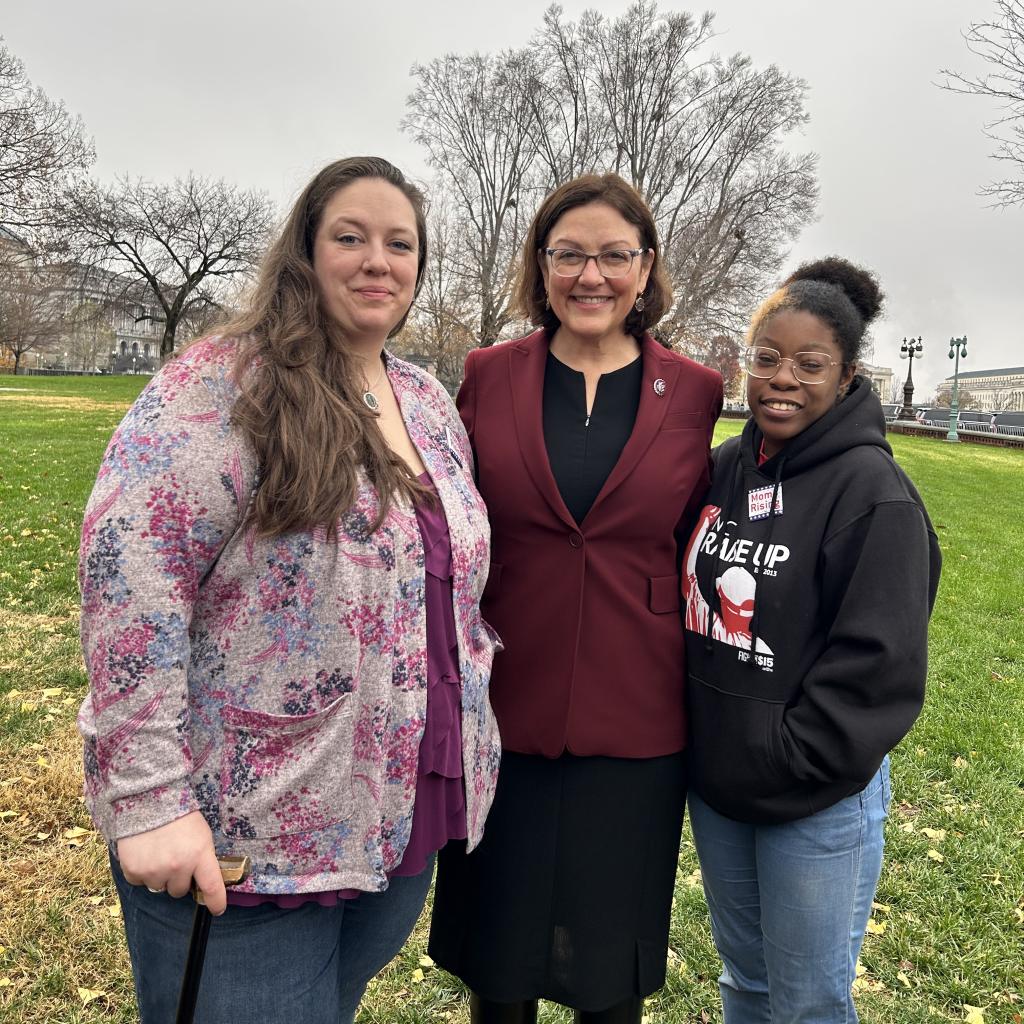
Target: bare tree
{"x": 42, "y": 145}
{"x": 700, "y": 136}
{"x": 1000, "y": 42}
{"x": 30, "y": 319}
{"x": 88, "y": 335}
{"x": 182, "y": 241}
{"x": 443, "y": 323}
{"x": 944, "y": 398}
{"x": 467, "y": 111}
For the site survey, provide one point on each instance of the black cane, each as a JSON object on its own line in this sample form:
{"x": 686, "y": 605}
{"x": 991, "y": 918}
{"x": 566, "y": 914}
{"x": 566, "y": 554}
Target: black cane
{"x": 233, "y": 870}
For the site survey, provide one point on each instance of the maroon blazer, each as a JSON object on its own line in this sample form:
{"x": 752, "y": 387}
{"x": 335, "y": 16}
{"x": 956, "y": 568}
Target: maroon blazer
{"x": 589, "y": 613}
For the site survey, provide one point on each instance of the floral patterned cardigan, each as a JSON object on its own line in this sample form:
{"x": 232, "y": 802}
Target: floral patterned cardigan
{"x": 278, "y": 685}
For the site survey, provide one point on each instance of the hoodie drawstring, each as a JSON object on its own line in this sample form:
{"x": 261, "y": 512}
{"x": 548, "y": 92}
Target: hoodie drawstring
{"x": 767, "y": 547}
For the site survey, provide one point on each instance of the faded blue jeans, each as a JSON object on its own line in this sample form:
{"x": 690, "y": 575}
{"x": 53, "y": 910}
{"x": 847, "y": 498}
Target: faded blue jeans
{"x": 308, "y": 965}
{"x": 789, "y": 906}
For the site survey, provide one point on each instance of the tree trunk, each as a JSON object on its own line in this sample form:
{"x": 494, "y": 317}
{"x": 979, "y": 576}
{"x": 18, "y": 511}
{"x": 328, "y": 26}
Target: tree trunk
{"x": 167, "y": 341}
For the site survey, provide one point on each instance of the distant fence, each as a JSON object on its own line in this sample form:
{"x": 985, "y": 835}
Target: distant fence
{"x": 966, "y": 434}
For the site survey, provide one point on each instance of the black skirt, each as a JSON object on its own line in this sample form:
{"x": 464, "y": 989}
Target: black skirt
{"x": 569, "y": 895}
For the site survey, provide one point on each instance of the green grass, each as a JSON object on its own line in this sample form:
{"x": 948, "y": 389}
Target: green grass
{"x": 949, "y": 932}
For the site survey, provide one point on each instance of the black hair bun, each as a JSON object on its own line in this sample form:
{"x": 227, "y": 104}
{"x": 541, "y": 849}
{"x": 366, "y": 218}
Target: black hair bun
{"x": 860, "y": 285}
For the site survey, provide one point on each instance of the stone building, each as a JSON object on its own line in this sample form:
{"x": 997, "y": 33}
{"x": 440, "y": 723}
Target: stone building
{"x": 994, "y": 390}
{"x": 881, "y": 378}
{"x": 103, "y": 321}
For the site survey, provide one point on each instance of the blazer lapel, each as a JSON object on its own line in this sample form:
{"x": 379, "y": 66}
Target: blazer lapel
{"x": 527, "y": 359}
{"x": 653, "y": 406}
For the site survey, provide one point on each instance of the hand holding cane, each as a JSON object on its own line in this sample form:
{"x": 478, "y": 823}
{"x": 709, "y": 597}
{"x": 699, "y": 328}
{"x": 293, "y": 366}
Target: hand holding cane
{"x": 233, "y": 870}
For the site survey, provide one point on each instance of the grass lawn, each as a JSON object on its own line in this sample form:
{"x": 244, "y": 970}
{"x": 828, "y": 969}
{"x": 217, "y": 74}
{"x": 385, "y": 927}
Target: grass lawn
{"x": 947, "y": 934}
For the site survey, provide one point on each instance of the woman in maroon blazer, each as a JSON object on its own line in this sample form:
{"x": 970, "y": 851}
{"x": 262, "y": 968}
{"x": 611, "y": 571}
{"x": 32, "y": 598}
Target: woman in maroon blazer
{"x": 592, "y": 447}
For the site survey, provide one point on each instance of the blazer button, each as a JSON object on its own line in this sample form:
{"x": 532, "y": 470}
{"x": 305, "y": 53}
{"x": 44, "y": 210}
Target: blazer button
{"x": 575, "y": 540}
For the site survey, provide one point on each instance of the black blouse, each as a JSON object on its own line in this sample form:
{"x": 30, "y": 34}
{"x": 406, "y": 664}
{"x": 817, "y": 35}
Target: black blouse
{"x": 583, "y": 450}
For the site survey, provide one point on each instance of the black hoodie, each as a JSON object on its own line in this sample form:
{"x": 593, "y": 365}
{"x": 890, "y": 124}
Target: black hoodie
{"x": 834, "y": 581}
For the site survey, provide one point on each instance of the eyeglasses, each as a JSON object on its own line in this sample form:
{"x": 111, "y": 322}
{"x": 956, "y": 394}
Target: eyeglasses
{"x": 610, "y": 263}
{"x": 808, "y": 367}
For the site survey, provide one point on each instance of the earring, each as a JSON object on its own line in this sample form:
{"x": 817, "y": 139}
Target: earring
{"x": 639, "y": 304}
{"x": 547, "y": 301}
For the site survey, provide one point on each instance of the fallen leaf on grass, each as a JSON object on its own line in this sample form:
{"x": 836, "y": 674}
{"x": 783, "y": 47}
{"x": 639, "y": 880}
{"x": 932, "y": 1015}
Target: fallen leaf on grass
{"x": 115, "y": 910}
{"x": 959, "y": 762}
{"x": 417, "y": 976}
{"x": 6, "y": 983}
{"x": 935, "y": 856}
{"x": 973, "y": 1014}
{"x": 53, "y": 691}
{"x": 87, "y": 995}
{"x": 76, "y": 837}
{"x": 902, "y": 978}
{"x": 881, "y": 907}
{"x": 425, "y": 961}
{"x": 876, "y": 927}
{"x": 936, "y": 835}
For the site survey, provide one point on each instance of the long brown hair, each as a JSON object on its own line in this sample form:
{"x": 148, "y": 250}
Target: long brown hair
{"x": 617, "y": 193}
{"x": 300, "y": 403}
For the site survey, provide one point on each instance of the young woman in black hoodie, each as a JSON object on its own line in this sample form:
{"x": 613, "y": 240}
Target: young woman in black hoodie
{"x": 808, "y": 585}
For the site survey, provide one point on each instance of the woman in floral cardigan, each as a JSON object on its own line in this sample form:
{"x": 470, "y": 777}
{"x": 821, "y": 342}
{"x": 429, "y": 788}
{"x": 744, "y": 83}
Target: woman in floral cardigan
{"x": 281, "y": 566}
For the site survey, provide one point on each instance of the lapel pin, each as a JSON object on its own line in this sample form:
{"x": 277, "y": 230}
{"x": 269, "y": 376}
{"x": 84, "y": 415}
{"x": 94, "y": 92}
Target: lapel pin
{"x": 659, "y": 388}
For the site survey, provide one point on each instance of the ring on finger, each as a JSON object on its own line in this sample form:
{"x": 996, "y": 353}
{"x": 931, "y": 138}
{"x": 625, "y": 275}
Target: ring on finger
{"x": 149, "y": 888}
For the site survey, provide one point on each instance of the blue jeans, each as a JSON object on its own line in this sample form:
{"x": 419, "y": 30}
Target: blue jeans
{"x": 789, "y": 906}
{"x": 309, "y": 965}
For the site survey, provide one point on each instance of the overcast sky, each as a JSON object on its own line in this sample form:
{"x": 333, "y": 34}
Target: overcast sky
{"x": 264, "y": 94}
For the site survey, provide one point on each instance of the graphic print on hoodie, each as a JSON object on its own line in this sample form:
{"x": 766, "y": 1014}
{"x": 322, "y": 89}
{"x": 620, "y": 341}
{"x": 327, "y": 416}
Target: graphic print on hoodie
{"x": 736, "y": 588}
{"x": 807, "y": 586}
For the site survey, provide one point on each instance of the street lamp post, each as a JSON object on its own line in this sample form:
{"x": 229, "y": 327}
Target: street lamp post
{"x": 909, "y": 350}
{"x": 957, "y": 350}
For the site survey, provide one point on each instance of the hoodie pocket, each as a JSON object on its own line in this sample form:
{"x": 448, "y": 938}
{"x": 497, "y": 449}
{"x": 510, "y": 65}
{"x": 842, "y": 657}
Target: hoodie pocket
{"x": 736, "y": 752}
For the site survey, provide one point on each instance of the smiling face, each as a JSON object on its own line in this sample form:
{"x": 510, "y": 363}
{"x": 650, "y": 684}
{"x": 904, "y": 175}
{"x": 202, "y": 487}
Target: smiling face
{"x": 365, "y": 259}
{"x": 592, "y": 307}
{"x": 782, "y": 406}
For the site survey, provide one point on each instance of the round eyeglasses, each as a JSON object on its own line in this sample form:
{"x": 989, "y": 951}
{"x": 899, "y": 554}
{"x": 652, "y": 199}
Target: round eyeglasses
{"x": 610, "y": 263}
{"x": 808, "y": 367}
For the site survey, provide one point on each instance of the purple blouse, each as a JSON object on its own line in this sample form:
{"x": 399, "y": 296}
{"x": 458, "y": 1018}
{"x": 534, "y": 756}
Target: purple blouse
{"x": 439, "y": 813}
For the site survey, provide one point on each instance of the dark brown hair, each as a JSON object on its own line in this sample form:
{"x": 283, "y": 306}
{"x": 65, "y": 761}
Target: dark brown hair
{"x": 300, "y": 403}
{"x": 592, "y": 188}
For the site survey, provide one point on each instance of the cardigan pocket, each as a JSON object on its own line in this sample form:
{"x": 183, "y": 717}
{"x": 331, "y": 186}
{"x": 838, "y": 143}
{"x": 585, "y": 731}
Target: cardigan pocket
{"x": 282, "y": 774}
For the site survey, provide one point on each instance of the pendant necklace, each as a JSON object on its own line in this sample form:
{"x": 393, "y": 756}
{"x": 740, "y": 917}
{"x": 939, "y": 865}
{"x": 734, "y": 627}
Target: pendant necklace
{"x": 369, "y": 398}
